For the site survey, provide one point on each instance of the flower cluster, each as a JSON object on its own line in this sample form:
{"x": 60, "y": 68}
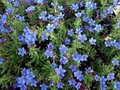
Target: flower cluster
{"x": 26, "y": 79}
{"x": 28, "y": 37}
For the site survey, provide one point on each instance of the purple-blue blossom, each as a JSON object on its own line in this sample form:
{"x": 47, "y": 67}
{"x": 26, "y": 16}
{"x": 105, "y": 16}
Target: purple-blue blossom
{"x": 30, "y": 9}
{"x": 111, "y": 76}
{"x": 28, "y": 37}
{"x": 103, "y": 85}
{"x": 115, "y": 62}
{"x": 60, "y": 85}
{"x": 50, "y": 46}
{"x": 92, "y": 41}
{"x": 50, "y": 28}
{"x": 43, "y": 87}
{"x": 63, "y": 49}
{"x": 91, "y": 5}
{"x": 48, "y": 53}
{"x": 16, "y": 3}
{"x": 60, "y": 71}
{"x": 96, "y": 77}
{"x": 77, "y": 86}
{"x": 70, "y": 32}
{"x": 1, "y": 60}
{"x": 39, "y": 1}
{"x": 89, "y": 70}
{"x": 60, "y": 8}
{"x": 78, "y": 14}
{"x": 21, "y": 51}
{"x": 63, "y": 60}
{"x": 43, "y": 16}
{"x": 78, "y": 75}
{"x": 82, "y": 38}
{"x": 98, "y": 27}
{"x": 117, "y": 85}
{"x": 27, "y": 78}
{"x": 67, "y": 41}
{"x": 74, "y": 7}
{"x": 73, "y": 68}
{"x": 10, "y": 10}
{"x": 72, "y": 82}
{"x": 44, "y": 37}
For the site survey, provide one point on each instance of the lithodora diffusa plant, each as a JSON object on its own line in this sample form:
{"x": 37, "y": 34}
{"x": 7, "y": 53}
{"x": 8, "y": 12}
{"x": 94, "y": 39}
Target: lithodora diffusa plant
{"x": 60, "y": 44}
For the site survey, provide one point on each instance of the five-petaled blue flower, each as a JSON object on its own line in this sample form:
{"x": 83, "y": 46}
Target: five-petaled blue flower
{"x": 78, "y": 75}
{"x": 60, "y": 71}
{"x": 21, "y": 51}
{"x": 48, "y": 53}
{"x": 92, "y": 41}
{"x": 115, "y": 62}
{"x": 63, "y": 60}
{"x": 63, "y": 49}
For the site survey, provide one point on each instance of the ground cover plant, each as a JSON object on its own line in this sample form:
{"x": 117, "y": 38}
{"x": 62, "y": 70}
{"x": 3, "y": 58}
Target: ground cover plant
{"x": 59, "y": 45}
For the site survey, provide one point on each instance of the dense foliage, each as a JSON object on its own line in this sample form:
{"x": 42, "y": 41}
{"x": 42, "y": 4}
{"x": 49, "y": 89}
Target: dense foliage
{"x": 59, "y": 44}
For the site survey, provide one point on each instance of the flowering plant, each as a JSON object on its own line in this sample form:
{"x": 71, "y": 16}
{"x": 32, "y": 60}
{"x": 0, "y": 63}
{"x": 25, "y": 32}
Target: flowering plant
{"x": 59, "y": 44}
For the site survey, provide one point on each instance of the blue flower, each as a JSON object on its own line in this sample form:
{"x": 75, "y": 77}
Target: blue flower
{"x": 63, "y": 60}
{"x": 111, "y": 76}
{"x": 89, "y": 70}
{"x": 50, "y": 17}
{"x": 67, "y": 41}
{"x": 98, "y": 28}
{"x": 75, "y": 57}
{"x": 96, "y": 77}
{"x": 30, "y": 9}
{"x": 10, "y": 10}
{"x": 115, "y": 2}
{"x": 60, "y": 71}
{"x": 109, "y": 10}
{"x": 1, "y": 60}
{"x": 39, "y": 1}
{"x": 16, "y": 3}
{"x": 86, "y": 18}
{"x": 60, "y": 8}
{"x": 28, "y": 37}
{"x": 82, "y": 38}
{"x": 91, "y": 22}
{"x": 21, "y": 51}
{"x": 73, "y": 68}
{"x": 27, "y": 78}
{"x": 92, "y": 41}
{"x": 74, "y": 7}
{"x": 43, "y": 87}
{"x": 63, "y": 49}
{"x": 60, "y": 16}
{"x": 70, "y": 32}
{"x": 50, "y": 46}
{"x": 115, "y": 62}
{"x": 43, "y": 16}
{"x": 20, "y": 18}
{"x": 48, "y": 53}
{"x": 60, "y": 85}
{"x": 78, "y": 86}
{"x": 44, "y": 37}
{"x": 117, "y": 85}
{"x": 72, "y": 82}
{"x": 78, "y": 14}
{"x": 103, "y": 83}
{"x": 78, "y": 75}
{"x": 91, "y": 5}
{"x": 50, "y": 28}
{"x": 79, "y": 30}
